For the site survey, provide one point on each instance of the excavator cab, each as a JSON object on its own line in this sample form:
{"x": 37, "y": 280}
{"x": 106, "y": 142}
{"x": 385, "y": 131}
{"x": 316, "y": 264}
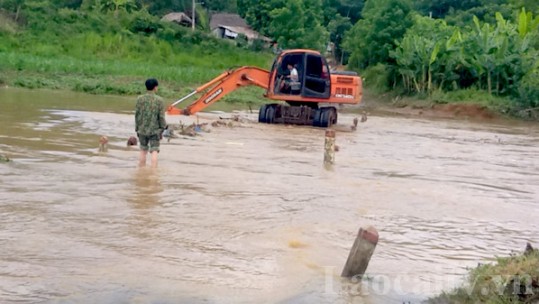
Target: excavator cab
{"x": 313, "y": 75}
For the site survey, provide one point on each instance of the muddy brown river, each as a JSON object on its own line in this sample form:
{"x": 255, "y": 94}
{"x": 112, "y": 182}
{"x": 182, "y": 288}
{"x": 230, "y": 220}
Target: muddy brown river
{"x": 249, "y": 214}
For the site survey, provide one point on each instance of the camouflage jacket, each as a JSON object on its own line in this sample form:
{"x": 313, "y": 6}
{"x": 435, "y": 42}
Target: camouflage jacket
{"x": 149, "y": 114}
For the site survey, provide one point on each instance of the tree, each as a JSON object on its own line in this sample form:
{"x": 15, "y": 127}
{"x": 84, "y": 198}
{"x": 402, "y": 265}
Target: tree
{"x": 418, "y": 52}
{"x": 529, "y": 5}
{"x": 162, "y": 7}
{"x": 14, "y": 6}
{"x": 346, "y": 8}
{"x": 440, "y": 8}
{"x": 337, "y": 29}
{"x": 486, "y": 13}
{"x": 298, "y": 25}
{"x": 371, "y": 39}
{"x": 220, "y": 5}
{"x": 316, "y": 36}
{"x": 257, "y": 13}
{"x": 499, "y": 58}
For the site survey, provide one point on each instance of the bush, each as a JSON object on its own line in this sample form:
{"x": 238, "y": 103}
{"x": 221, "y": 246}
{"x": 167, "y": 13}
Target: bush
{"x": 242, "y": 41}
{"x": 377, "y": 77}
{"x": 68, "y": 16}
{"x": 257, "y": 45}
{"x": 529, "y": 90}
{"x": 145, "y": 23}
{"x": 474, "y": 96}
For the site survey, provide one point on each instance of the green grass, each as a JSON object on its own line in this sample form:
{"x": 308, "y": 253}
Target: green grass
{"x": 513, "y": 279}
{"x": 184, "y": 71}
{"x": 96, "y": 68}
{"x": 479, "y": 97}
{"x": 110, "y": 76}
{"x": 97, "y": 53}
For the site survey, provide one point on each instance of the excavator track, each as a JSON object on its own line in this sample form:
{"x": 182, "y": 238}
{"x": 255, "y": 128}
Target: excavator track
{"x": 297, "y": 115}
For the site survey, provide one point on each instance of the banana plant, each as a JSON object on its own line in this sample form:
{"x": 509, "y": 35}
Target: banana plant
{"x": 418, "y": 53}
{"x": 433, "y": 58}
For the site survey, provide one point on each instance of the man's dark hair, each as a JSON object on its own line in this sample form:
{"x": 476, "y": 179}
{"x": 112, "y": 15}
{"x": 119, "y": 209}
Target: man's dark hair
{"x": 151, "y": 84}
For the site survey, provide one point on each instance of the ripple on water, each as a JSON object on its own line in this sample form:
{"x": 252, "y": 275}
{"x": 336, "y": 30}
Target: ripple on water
{"x": 250, "y": 215}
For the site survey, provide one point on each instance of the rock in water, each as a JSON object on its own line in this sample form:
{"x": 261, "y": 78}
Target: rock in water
{"x": 364, "y": 117}
{"x": 132, "y": 141}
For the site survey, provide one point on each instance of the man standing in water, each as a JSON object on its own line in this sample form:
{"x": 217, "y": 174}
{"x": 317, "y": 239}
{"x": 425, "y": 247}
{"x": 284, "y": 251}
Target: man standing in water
{"x": 150, "y": 122}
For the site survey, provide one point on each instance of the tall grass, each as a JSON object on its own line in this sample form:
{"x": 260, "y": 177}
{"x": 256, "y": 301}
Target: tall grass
{"x": 512, "y": 279}
{"x": 108, "y": 76}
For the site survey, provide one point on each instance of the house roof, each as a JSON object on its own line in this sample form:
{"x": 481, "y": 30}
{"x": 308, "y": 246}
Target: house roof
{"x": 249, "y": 33}
{"x": 227, "y": 19}
{"x": 177, "y": 17}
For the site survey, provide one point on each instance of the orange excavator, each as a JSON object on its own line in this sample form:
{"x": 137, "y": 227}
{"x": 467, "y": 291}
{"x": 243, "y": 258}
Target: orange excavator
{"x": 302, "y": 90}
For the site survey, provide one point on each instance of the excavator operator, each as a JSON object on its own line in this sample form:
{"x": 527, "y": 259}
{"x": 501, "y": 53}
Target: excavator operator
{"x": 290, "y": 80}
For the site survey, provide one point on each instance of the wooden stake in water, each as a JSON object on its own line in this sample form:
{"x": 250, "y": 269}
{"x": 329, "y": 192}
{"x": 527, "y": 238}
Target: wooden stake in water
{"x": 361, "y": 252}
{"x": 329, "y": 147}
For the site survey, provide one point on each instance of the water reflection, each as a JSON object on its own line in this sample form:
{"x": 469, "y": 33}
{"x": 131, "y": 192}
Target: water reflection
{"x": 146, "y": 188}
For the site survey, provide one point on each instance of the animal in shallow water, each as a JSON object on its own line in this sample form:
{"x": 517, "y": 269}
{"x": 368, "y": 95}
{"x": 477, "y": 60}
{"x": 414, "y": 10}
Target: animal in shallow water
{"x": 4, "y": 159}
{"x": 103, "y": 144}
{"x": 132, "y": 141}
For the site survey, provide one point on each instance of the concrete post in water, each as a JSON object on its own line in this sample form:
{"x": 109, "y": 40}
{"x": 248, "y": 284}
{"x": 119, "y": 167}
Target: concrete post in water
{"x": 361, "y": 252}
{"x": 329, "y": 147}
{"x": 103, "y": 144}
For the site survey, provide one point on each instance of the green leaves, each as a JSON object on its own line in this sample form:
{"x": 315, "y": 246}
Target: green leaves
{"x": 372, "y": 39}
{"x": 419, "y": 51}
{"x": 116, "y": 5}
{"x": 499, "y": 58}
{"x": 434, "y": 53}
{"x": 298, "y": 24}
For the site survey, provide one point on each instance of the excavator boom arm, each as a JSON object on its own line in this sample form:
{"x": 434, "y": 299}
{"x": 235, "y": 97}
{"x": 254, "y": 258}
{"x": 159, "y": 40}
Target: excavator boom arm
{"x": 220, "y": 86}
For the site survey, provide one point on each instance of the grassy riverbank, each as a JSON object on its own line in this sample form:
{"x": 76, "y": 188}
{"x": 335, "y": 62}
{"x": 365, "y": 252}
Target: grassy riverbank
{"x": 469, "y": 102}
{"x": 114, "y": 76}
{"x": 513, "y": 279}
{"x": 109, "y": 53}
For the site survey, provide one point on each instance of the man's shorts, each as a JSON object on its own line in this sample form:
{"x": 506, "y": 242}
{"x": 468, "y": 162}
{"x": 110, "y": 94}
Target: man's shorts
{"x": 149, "y": 142}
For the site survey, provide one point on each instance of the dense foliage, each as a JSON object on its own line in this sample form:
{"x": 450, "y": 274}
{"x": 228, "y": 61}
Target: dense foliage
{"x": 417, "y": 46}
{"x": 476, "y": 45}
